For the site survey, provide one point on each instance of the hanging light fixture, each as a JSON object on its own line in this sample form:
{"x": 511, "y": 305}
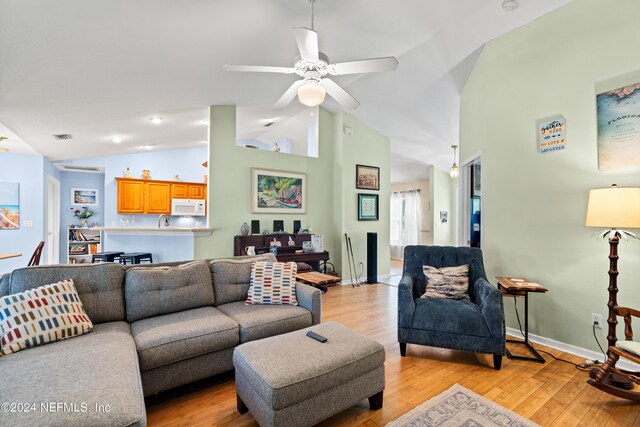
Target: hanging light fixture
{"x": 311, "y": 93}
{"x": 454, "y": 172}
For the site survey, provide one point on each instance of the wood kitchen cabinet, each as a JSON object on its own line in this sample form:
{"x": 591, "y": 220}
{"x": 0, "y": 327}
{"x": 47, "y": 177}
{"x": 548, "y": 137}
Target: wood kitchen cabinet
{"x": 188, "y": 191}
{"x": 147, "y": 196}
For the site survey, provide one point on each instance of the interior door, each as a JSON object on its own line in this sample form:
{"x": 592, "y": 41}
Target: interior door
{"x": 52, "y": 246}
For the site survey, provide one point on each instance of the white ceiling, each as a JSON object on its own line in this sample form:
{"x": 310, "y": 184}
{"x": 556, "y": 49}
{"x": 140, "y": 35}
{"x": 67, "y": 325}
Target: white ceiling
{"x": 101, "y": 68}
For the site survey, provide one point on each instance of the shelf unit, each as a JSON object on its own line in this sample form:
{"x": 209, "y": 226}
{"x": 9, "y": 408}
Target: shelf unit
{"x": 82, "y": 243}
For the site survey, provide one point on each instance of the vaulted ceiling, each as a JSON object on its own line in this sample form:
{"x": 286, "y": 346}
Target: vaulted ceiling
{"x": 101, "y": 68}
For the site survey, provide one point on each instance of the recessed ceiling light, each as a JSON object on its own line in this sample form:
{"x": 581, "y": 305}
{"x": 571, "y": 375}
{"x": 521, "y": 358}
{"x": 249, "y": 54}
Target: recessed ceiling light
{"x": 147, "y": 147}
{"x": 116, "y": 139}
{"x": 510, "y": 5}
{"x": 156, "y": 120}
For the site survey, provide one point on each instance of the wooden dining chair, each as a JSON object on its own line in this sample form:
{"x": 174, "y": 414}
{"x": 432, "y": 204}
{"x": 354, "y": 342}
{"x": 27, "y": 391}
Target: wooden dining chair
{"x": 35, "y": 258}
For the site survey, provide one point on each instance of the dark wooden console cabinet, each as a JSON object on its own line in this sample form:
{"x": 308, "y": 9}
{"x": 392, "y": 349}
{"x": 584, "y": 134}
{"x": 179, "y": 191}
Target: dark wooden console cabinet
{"x": 285, "y": 253}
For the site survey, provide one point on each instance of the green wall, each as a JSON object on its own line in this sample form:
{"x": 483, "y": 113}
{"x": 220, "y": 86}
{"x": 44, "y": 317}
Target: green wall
{"x": 534, "y": 204}
{"x": 442, "y": 193}
{"x": 330, "y": 185}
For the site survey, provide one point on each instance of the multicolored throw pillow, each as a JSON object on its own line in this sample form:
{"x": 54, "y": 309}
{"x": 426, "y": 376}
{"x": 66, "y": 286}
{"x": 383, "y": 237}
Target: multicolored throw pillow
{"x": 41, "y": 315}
{"x": 273, "y": 283}
{"x": 447, "y": 282}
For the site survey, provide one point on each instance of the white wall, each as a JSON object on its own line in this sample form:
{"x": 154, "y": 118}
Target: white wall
{"x": 442, "y": 192}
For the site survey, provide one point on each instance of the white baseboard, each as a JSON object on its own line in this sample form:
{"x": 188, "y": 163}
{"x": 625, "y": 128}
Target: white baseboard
{"x": 572, "y": 349}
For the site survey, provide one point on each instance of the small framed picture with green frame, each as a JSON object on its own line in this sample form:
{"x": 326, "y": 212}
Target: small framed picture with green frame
{"x": 367, "y": 207}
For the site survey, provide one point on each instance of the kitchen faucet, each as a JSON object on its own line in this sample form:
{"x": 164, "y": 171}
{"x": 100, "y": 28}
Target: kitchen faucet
{"x": 166, "y": 220}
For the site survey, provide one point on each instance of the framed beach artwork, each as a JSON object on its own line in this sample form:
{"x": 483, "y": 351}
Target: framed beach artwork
{"x": 619, "y": 128}
{"x": 367, "y": 177}
{"x": 85, "y": 197}
{"x": 368, "y": 207}
{"x": 9, "y": 206}
{"x": 279, "y": 192}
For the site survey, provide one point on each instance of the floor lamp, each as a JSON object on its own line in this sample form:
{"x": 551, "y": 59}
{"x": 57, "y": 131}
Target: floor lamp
{"x": 614, "y": 208}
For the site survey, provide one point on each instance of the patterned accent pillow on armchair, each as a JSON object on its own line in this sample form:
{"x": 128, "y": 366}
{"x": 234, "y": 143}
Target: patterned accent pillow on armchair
{"x": 273, "y": 283}
{"x": 447, "y": 282}
{"x": 41, "y": 315}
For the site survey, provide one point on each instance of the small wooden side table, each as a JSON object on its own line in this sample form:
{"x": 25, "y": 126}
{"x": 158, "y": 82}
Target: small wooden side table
{"x": 319, "y": 280}
{"x": 516, "y": 287}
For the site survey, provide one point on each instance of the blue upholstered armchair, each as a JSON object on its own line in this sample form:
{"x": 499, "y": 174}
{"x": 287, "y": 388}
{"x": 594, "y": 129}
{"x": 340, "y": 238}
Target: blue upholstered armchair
{"x": 476, "y": 325}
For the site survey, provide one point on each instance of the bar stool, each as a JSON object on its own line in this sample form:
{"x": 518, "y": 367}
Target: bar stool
{"x": 106, "y": 256}
{"x": 135, "y": 258}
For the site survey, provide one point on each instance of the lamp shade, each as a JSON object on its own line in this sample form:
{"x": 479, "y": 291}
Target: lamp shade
{"x": 614, "y": 207}
{"x": 311, "y": 94}
{"x": 454, "y": 172}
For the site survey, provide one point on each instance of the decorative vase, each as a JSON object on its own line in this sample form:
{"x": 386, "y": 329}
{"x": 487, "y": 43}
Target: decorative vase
{"x": 83, "y": 223}
{"x": 244, "y": 229}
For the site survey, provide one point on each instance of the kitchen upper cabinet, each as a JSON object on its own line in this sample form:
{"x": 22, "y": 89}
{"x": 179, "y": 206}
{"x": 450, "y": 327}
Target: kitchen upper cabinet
{"x": 147, "y": 196}
{"x": 158, "y": 200}
{"x": 130, "y": 196}
{"x": 188, "y": 191}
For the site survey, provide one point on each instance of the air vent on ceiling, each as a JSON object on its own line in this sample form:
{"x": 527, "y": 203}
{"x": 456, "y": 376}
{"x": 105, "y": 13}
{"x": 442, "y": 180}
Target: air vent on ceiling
{"x": 79, "y": 168}
{"x": 62, "y": 136}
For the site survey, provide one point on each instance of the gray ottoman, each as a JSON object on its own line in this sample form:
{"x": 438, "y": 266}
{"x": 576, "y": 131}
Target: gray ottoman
{"x": 293, "y": 380}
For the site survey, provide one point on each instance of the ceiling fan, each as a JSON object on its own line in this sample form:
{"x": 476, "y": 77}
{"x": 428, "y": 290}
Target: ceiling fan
{"x": 313, "y": 66}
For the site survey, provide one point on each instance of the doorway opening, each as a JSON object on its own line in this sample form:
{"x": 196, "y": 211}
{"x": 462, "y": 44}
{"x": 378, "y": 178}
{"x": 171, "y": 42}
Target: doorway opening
{"x": 470, "y": 225}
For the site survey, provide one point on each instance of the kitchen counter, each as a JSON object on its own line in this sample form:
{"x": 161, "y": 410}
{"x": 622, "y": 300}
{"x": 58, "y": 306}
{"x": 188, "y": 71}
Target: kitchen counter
{"x": 164, "y": 231}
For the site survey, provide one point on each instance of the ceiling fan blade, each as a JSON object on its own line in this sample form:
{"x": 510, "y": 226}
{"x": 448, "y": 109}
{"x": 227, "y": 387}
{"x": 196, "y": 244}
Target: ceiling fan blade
{"x": 339, "y": 94}
{"x": 288, "y": 96}
{"x": 373, "y": 65}
{"x": 259, "y": 69}
{"x": 307, "y": 43}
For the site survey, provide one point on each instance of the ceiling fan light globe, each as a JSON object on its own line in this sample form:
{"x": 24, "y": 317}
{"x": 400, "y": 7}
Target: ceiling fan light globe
{"x": 311, "y": 94}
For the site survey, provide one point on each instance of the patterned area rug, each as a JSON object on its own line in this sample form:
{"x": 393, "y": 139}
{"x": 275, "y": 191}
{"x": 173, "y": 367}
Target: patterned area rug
{"x": 460, "y": 407}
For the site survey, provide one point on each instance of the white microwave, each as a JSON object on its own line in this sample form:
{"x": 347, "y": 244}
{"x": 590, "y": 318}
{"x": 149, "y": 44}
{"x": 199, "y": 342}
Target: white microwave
{"x": 187, "y": 207}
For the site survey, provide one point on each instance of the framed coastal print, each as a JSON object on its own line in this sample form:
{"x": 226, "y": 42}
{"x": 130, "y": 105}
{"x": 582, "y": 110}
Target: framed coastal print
{"x": 367, "y": 177}
{"x": 278, "y": 192}
{"x": 85, "y": 196}
{"x": 367, "y": 207}
{"x": 9, "y": 206}
{"x": 619, "y": 128}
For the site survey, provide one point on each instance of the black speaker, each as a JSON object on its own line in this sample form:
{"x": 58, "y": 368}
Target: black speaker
{"x": 372, "y": 258}
{"x": 297, "y": 225}
{"x": 278, "y": 226}
{"x": 255, "y": 226}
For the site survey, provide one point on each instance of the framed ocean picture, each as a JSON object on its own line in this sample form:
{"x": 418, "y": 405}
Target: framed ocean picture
{"x": 9, "y": 206}
{"x": 619, "y": 128}
{"x": 279, "y": 192}
{"x": 85, "y": 196}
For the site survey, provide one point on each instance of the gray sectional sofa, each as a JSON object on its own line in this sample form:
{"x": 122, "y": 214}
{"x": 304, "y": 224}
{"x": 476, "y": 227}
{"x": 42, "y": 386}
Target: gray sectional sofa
{"x": 155, "y": 327}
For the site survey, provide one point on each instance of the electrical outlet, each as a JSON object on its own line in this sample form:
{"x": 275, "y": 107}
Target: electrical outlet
{"x": 596, "y": 320}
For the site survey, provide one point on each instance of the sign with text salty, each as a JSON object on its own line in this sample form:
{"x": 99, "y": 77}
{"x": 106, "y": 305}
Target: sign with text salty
{"x": 552, "y": 134}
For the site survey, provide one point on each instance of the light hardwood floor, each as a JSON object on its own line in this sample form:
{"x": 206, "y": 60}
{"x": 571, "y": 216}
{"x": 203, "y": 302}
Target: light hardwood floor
{"x": 551, "y": 394}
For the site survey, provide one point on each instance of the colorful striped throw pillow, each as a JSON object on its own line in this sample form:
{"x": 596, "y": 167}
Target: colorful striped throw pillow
{"x": 272, "y": 283}
{"x": 41, "y": 315}
{"x": 447, "y": 282}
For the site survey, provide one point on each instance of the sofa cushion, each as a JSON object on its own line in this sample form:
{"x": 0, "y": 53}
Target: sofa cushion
{"x": 100, "y": 368}
{"x": 447, "y": 282}
{"x": 449, "y": 316}
{"x": 162, "y": 340}
{"x": 273, "y": 283}
{"x": 151, "y": 291}
{"x": 42, "y": 315}
{"x": 231, "y": 277}
{"x": 261, "y": 321}
{"x": 100, "y": 286}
